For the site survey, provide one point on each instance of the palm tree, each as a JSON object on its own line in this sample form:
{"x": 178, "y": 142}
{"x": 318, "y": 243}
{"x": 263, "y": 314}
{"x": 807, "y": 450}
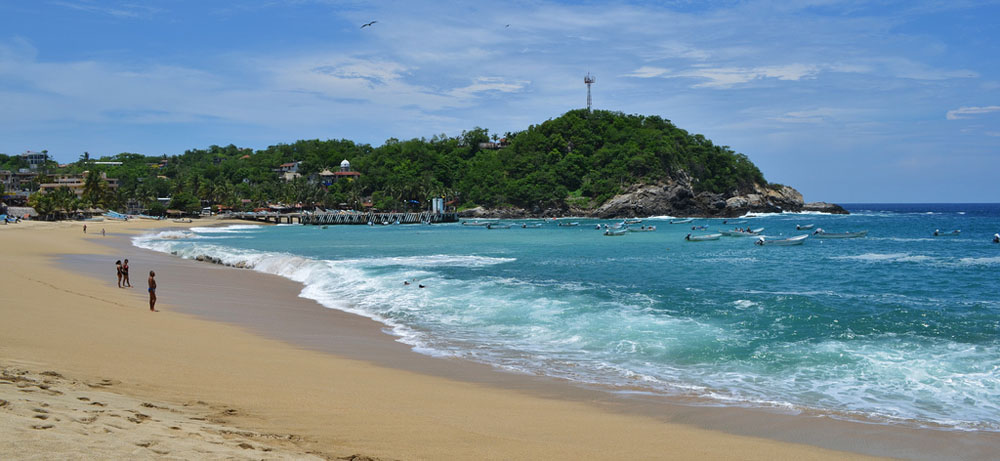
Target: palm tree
{"x": 93, "y": 189}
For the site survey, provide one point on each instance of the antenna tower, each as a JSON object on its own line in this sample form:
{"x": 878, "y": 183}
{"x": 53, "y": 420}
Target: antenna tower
{"x": 588, "y": 79}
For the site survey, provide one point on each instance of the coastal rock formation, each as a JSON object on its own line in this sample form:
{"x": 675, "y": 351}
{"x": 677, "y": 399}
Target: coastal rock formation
{"x": 674, "y": 198}
{"x": 823, "y": 207}
{"x": 677, "y": 198}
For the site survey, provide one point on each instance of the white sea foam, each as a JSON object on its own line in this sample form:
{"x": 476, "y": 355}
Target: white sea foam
{"x": 234, "y": 228}
{"x": 744, "y": 303}
{"x": 887, "y": 257}
{"x": 979, "y": 261}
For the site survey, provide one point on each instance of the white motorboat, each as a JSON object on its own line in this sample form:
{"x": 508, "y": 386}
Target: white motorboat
{"x": 642, "y": 229}
{"x": 804, "y": 227}
{"x": 702, "y": 237}
{"x": 820, "y": 233}
{"x": 615, "y": 232}
{"x": 954, "y": 233}
{"x": 797, "y": 240}
{"x": 569, "y": 224}
{"x": 743, "y": 232}
{"x": 497, "y": 226}
{"x": 681, "y": 221}
{"x": 474, "y": 223}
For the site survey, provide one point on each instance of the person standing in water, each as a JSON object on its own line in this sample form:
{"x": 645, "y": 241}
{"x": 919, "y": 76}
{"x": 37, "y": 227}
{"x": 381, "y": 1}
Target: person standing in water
{"x": 152, "y": 291}
{"x": 125, "y": 280}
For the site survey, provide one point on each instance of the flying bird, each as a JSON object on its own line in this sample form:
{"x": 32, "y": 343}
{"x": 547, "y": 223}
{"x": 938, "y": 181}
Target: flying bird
{"x": 369, "y": 24}
{"x": 508, "y": 25}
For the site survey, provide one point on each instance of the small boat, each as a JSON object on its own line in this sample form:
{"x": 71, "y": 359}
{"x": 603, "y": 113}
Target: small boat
{"x": 633, "y": 221}
{"x": 184, "y": 221}
{"x": 497, "y": 226}
{"x": 642, "y": 229}
{"x": 703, "y": 227}
{"x": 805, "y": 227}
{"x": 536, "y": 225}
{"x": 474, "y": 223}
{"x": 797, "y": 240}
{"x": 615, "y": 233}
{"x": 681, "y": 221}
{"x": 736, "y": 221}
{"x": 94, "y": 219}
{"x": 954, "y": 233}
{"x": 702, "y": 238}
{"x": 743, "y": 232}
{"x": 568, "y": 224}
{"x": 820, "y": 233}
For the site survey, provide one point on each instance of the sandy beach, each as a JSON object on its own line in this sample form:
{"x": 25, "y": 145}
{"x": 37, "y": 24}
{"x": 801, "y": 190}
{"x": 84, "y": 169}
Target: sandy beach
{"x": 236, "y": 365}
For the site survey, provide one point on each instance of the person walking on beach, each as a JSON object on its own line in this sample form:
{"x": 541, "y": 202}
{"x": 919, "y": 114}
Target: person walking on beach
{"x": 84, "y": 228}
{"x": 125, "y": 281}
{"x": 152, "y": 291}
{"x": 102, "y": 232}
{"x": 118, "y": 268}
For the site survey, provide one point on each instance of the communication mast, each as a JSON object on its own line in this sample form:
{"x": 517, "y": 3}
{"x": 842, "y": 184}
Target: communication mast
{"x": 588, "y": 79}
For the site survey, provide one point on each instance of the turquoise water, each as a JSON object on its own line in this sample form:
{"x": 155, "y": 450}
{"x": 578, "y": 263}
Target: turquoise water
{"x": 899, "y": 327}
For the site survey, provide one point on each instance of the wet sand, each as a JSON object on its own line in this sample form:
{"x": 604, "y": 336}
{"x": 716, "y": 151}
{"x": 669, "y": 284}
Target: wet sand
{"x": 341, "y": 386}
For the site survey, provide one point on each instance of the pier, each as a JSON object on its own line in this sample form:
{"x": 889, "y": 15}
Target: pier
{"x": 330, "y": 218}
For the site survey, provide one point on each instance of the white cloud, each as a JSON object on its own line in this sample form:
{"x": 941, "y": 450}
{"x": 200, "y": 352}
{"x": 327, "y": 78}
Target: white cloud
{"x": 648, "y": 72}
{"x": 486, "y": 84}
{"x": 121, "y": 10}
{"x": 808, "y": 116}
{"x": 966, "y": 112}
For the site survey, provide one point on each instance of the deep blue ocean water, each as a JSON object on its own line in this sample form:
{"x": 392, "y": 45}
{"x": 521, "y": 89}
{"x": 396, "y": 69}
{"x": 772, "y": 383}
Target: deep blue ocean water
{"x": 900, "y": 326}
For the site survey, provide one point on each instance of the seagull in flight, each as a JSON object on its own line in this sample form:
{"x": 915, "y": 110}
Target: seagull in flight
{"x": 369, "y": 24}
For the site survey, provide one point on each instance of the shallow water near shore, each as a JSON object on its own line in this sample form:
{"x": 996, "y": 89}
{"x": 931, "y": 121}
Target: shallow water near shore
{"x": 897, "y": 327}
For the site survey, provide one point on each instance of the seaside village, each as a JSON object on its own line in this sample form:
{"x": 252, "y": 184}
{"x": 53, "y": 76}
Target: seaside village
{"x": 37, "y": 188}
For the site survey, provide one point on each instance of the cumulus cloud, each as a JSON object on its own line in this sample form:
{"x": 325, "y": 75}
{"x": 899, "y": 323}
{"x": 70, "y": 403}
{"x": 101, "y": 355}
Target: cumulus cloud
{"x": 967, "y": 112}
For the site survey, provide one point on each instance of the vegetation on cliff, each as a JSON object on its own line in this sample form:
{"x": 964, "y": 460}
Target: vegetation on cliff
{"x": 581, "y": 157}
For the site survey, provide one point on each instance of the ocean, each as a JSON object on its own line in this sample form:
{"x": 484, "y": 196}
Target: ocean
{"x": 898, "y": 327}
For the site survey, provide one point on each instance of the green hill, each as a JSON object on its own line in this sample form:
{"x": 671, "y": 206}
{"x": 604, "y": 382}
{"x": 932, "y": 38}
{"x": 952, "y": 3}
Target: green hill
{"x": 577, "y": 161}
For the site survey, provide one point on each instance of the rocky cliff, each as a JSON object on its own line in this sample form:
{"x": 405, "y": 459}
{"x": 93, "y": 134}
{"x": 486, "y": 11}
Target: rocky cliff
{"x": 676, "y": 197}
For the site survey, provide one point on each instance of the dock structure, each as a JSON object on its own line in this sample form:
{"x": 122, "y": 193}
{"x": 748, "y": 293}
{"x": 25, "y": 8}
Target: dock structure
{"x": 330, "y": 218}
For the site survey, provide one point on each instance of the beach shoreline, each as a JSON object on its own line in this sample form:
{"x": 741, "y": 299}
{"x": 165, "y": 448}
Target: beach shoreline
{"x": 299, "y": 331}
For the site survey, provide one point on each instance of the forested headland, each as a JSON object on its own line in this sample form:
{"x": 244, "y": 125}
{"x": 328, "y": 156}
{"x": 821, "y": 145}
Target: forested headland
{"x": 574, "y": 163}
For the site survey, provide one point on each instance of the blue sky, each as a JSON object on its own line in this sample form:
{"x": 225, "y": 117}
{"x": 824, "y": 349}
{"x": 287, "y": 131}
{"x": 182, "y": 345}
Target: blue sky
{"x": 848, "y": 101}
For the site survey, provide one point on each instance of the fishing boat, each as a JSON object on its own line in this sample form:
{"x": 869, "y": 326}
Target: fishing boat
{"x": 536, "y": 225}
{"x": 497, "y": 226}
{"x": 474, "y": 223}
{"x": 954, "y": 233}
{"x": 615, "y": 233}
{"x": 633, "y": 221}
{"x": 737, "y": 221}
{"x": 702, "y": 227}
{"x": 642, "y": 229}
{"x": 702, "y": 238}
{"x": 568, "y": 224}
{"x": 742, "y": 232}
{"x": 797, "y": 240}
{"x": 93, "y": 219}
{"x": 804, "y": 227}
{"x": 820, "y": 233}
{"x": 681, "y": 221}
{"x": 185, "y": 221}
